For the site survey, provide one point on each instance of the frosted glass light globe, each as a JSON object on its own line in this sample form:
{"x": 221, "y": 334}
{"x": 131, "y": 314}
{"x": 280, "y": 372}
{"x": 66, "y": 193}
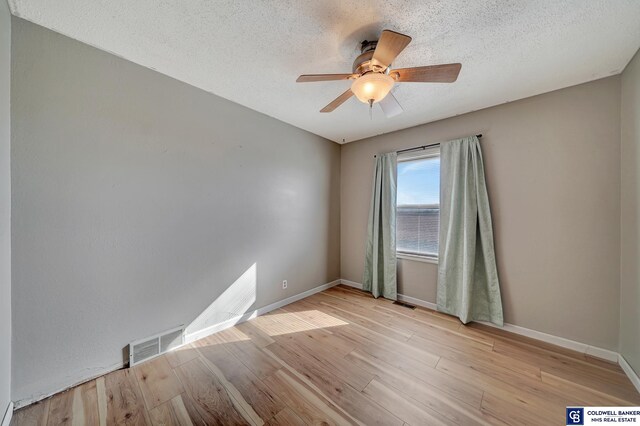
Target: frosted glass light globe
{"x": 372, "y": 86}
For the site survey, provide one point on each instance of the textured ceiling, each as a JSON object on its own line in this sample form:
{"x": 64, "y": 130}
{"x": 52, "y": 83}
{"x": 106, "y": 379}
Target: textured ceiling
{"x": 251, "y": 52}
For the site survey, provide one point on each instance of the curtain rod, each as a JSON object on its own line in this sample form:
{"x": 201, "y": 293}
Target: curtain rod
{"x": 415, "y": 148}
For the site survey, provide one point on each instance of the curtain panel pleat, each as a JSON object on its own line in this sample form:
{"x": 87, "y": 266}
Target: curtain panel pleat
{"x": 468, "y": 285}
{"x": 380, "y": 259}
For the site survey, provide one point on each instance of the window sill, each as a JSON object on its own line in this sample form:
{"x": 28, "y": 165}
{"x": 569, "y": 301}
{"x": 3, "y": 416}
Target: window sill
{"x": 417, "y": 258}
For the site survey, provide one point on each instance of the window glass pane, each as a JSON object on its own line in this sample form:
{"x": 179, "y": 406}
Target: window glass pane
{"x": 418, "y": 201}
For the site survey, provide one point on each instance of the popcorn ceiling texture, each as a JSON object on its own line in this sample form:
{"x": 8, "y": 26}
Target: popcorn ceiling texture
{"x": 251, "y": 52}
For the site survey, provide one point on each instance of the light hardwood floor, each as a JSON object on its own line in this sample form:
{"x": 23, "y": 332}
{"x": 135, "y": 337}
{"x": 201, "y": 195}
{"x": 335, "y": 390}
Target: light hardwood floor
{"x": 342, "y": 357}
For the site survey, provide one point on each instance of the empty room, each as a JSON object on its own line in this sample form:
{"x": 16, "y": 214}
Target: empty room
{"x": 261, "y": 212}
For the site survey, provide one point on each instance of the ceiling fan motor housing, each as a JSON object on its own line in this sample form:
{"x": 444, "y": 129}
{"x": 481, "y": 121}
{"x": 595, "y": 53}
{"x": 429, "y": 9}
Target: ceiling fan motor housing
{"x": 363, "y": 64}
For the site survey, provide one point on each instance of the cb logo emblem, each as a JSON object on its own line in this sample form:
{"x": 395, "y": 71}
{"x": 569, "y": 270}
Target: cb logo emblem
{"x": 575, "y": 416}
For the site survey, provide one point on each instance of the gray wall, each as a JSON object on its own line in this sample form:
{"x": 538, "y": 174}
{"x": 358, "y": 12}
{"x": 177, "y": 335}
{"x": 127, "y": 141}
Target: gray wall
{"x": 630, "y": 216}
{"x": 552, "y": 166}
{"x": 5, "y": 208}
{"x": 138, "y": 200}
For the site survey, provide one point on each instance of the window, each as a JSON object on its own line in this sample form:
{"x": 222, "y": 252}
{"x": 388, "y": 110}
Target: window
{"x": 418, "y": 205}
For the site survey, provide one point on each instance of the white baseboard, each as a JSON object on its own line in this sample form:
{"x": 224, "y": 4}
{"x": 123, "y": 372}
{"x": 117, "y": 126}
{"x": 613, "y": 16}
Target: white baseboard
{"x": 593, "y": 351}
{"x": 629, "y": 371}
{"x": 417, "y": 302}
{"x": 534, "y": 334}
{"x": 351, "y": 284}
{"x": 6, "y": 419}
{"x": 252, "y": 314}
{"x": 188, "y": 339}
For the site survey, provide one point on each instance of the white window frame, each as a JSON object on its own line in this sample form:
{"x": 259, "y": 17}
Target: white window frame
{"x": 410, "y": 156}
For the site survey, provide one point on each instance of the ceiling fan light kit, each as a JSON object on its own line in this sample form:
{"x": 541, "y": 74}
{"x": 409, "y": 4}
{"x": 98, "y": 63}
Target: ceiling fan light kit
{"x": 372, "y": 87}
{"x": 373, "y": 78}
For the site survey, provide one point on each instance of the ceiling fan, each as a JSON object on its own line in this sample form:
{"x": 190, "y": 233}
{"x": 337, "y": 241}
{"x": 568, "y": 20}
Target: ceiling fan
{"x": 373, "y": 79}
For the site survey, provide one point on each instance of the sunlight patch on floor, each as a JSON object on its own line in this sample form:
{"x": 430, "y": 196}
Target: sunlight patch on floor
{"x": 286, "y": 323}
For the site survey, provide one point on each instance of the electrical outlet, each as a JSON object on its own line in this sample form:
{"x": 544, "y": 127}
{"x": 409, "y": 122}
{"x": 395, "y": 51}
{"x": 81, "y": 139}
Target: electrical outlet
{"x": 284, "y": 284}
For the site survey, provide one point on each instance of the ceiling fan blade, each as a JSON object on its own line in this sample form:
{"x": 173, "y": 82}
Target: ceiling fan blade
{"x": 390, "y": 106}
{"x": 337, "y": 101}
{"x": 308, "y": 78}
{"x": 446, "y": 73}
{"x": 389, "y": 46}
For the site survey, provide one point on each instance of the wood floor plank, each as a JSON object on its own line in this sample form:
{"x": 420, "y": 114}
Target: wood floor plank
{"x": 430, "y": 329}
{"x": 502, "y": 334}
{"x": 472, "y": 333}
{"x": 60, "y": 409}
{"x": 253, "y": 358}
{"x": 287, "y": 318}
{"x": 77, "y": 406}
{"x": 238, "y": 377}
{"x": 286, "y": 417}
{"x": 101, "y": 392}
{"x": 546, "y": 350}
{"x": 312, "y": 407}
{"x": 452, "y": 339}
{"x": 258, "y": 337}
{"x": 374, "y": 342}
{"x": 476, "y": 356}
{"x": 157, "y": 381}
{"x": 395, "y": 319}
{"x": 481, "y": 359}
{"x": 403, "y": 407}
{"x": 278, "y": 323}
{"x": 353, "y": 292}
{"x": 360, "y": 328}
{"x": 85, "y": 405}
{"x": 323, "y": 321}
{"x": 420, "y": 316}
{"x": 355, "y": 311}
{"x": 357, "y": 297}
{"x": 454, "y": 402}
{"x": 339, "y": 392}
{"x": 584, "y": 395}
{"x": 572, "y": 369}
{"x": 305, "y": 344}
{"x": 363, "y": 317}
{"x": 181, "y": 355}
{"x": 565, "y": 359}
{"x": 513, "y": 414}
{"x": 526, "y": 394}
{"x": 206, "y": 398}
{"x": 125, "y": 404}
{"x": 422, "y": 313}
{"x": 36, "y": 414}
{"x": 415, "y": 384}
{"x": 170, "y": 413}
{"x": 330, "y": 343}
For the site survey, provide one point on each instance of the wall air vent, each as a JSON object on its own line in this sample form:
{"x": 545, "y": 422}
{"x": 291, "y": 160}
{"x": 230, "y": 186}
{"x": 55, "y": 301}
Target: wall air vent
{"x": 150, "y": 347}
{"x": 404, "y": 305}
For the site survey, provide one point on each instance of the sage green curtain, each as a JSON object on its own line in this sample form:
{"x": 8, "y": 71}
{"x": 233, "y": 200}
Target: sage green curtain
{"x": 380, "y": 261}
{"x": 468, "y": 285}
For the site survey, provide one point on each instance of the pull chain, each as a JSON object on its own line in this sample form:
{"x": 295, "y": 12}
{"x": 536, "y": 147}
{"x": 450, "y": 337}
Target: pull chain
{"x": 371, "y": 109}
